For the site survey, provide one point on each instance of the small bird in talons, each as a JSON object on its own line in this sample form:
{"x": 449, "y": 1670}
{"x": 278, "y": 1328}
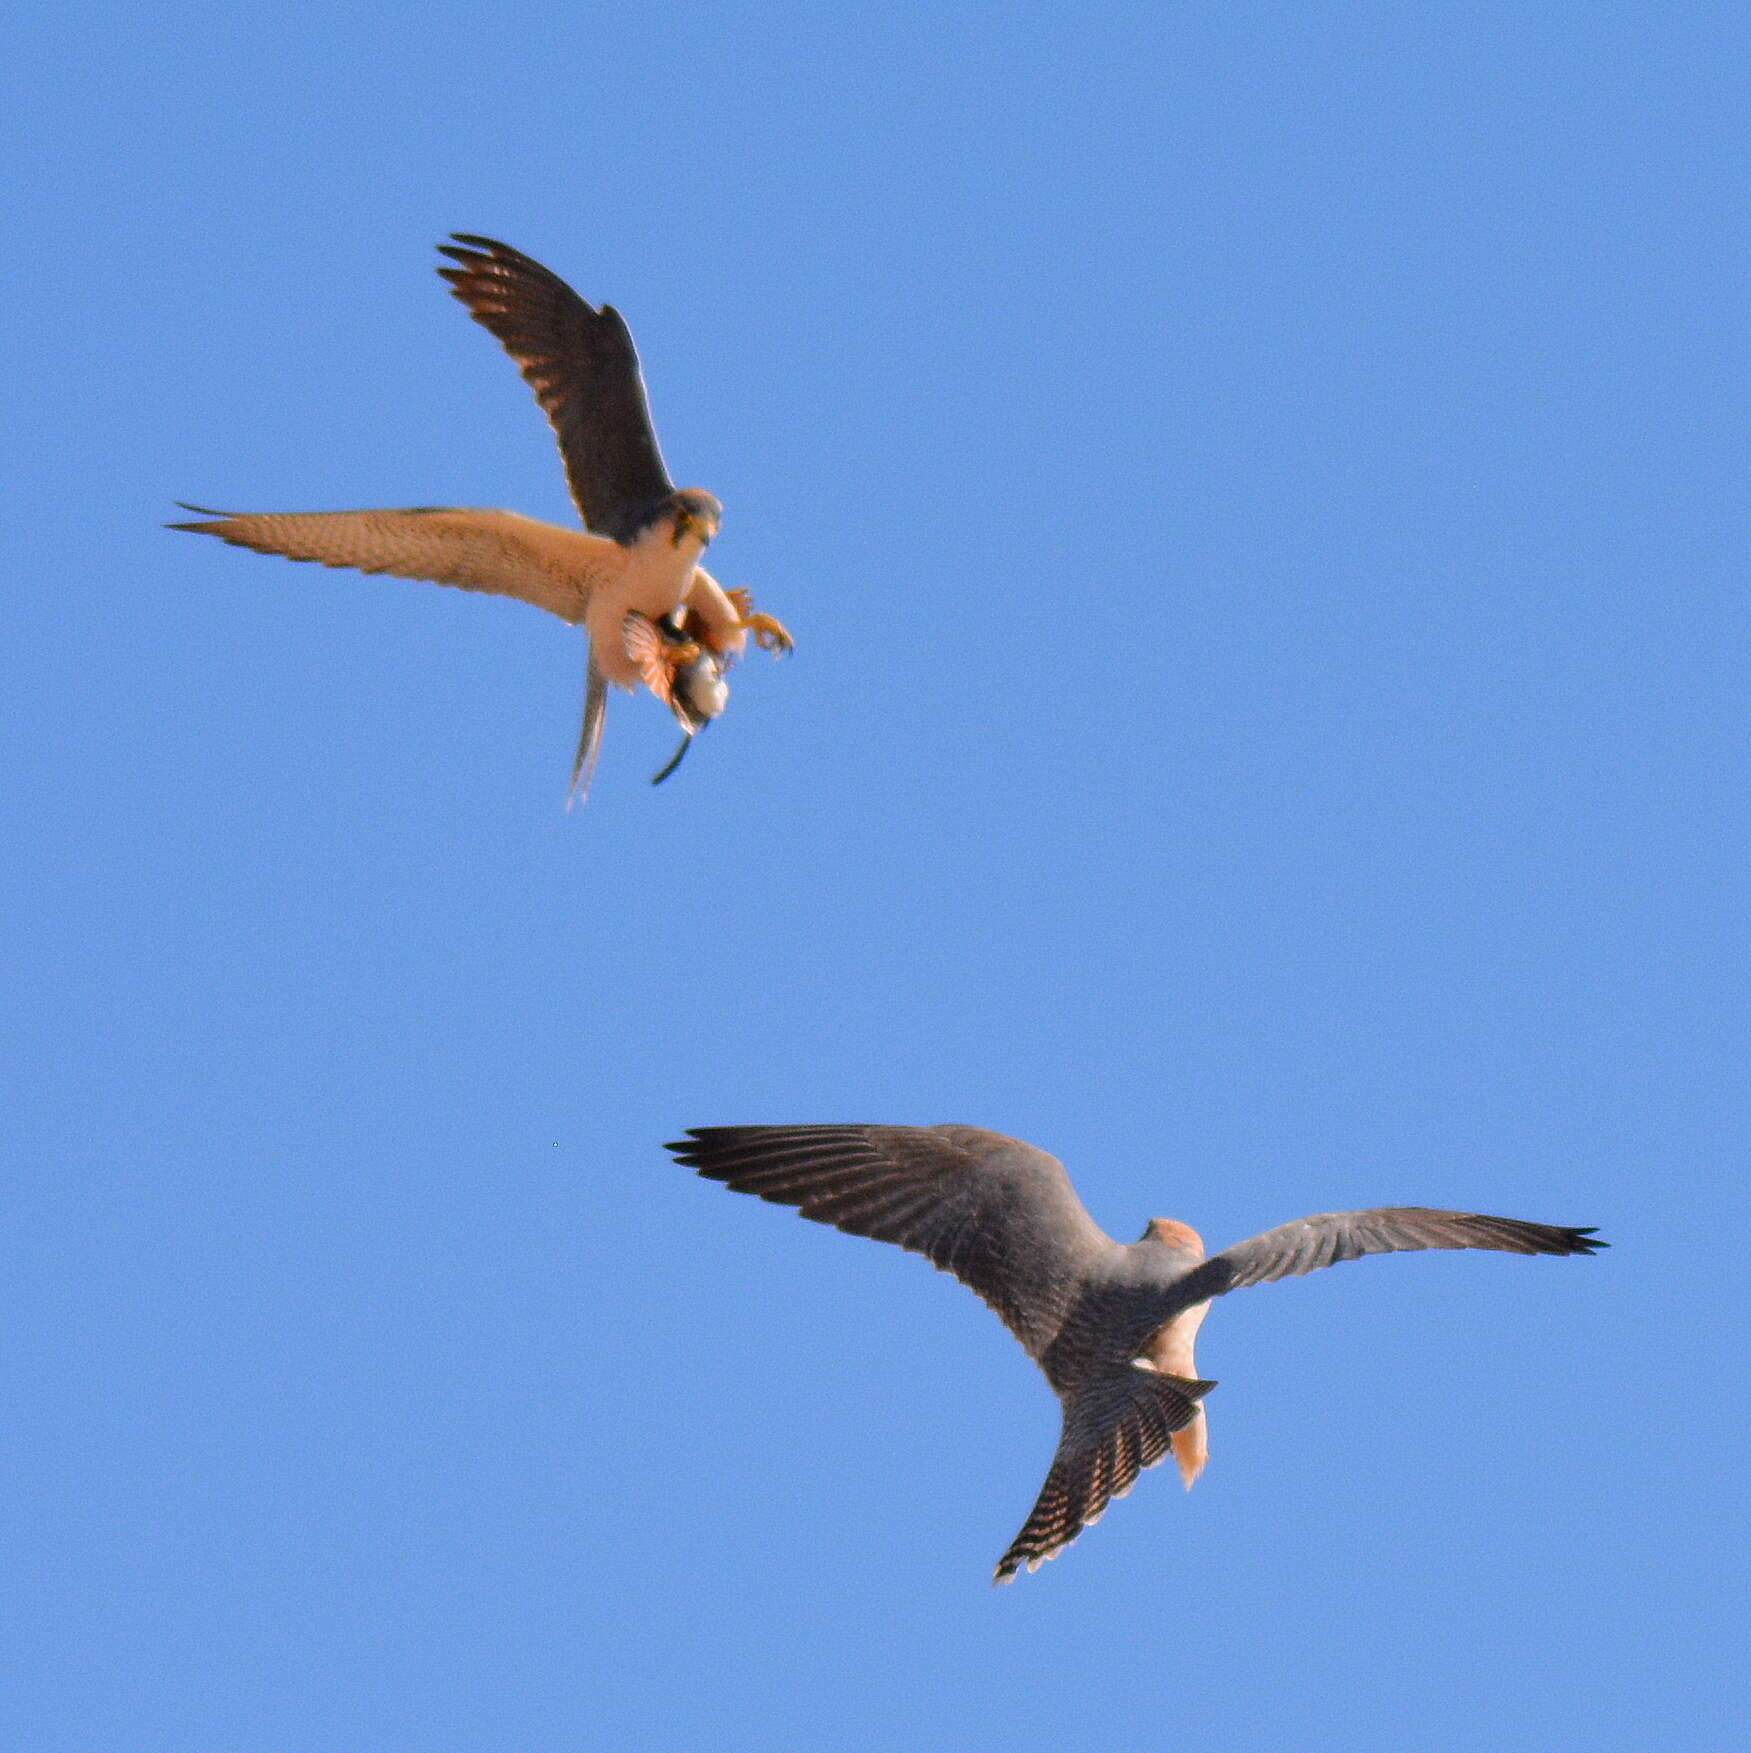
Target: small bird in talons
{"x": 655, "y": 617}
{"x": 1112, "y": 1327}
{"x": 681, "y": 669}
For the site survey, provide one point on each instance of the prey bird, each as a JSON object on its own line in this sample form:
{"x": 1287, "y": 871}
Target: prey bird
{"x": 653, "y": 614}
{"x": 1111, "y": 1326}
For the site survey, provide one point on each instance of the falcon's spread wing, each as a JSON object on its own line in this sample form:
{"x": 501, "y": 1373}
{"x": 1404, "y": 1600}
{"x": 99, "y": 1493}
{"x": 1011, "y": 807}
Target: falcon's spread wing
{"x": 997, "y": 1213}
{"x": 583, "y": 367}
{"x": 1313, "y": 1242}
{"x": 496, "y": 551}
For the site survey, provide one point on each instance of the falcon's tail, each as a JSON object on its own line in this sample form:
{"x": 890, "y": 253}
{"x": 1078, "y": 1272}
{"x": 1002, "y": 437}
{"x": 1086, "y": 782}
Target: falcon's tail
{"x": 590, "y": 735}
{"x": 1113, "y": 1428}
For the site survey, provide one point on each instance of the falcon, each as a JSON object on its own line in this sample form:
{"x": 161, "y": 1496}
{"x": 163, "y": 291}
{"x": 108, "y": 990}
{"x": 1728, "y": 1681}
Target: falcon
{"x": 655, "y": 617}
{"x": 1112, "y": 1326}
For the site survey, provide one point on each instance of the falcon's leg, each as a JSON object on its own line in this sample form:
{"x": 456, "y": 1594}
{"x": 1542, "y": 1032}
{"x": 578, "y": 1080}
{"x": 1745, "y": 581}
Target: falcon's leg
{"x": 769, "y": 634}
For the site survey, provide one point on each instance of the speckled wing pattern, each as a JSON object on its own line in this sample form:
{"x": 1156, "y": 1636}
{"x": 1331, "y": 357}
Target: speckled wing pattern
{"x": 1114, "y": 1426}
{"x": 1312, "y": 1242}
{"x": 584, "y": 370}
{"x": 495, "y": 551}
{"x": 999, "y": 1214}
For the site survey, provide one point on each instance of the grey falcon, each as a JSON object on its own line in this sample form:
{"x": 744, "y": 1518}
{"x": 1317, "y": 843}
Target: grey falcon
{"x": 654, "y": 615}
{"x": 1112, "y": 1326}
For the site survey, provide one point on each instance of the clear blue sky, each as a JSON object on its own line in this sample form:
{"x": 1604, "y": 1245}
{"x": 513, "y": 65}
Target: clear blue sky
{"x": 1257, "y": 491}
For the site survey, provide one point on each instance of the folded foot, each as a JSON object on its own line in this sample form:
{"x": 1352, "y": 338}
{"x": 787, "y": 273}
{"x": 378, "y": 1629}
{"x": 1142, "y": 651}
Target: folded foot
{"x": 769, "y": 635}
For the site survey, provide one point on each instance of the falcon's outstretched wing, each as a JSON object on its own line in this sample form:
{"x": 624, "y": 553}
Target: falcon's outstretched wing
{"x": 1313, "y": 1242}
{"x": 583, "y": 367}
{"x": 997, "y": 1213}
{"x": 496, "y": 551}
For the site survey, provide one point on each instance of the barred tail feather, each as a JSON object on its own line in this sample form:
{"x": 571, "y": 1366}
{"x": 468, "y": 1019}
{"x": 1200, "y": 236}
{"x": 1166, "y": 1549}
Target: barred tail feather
{"x": 1113, "y": 1428}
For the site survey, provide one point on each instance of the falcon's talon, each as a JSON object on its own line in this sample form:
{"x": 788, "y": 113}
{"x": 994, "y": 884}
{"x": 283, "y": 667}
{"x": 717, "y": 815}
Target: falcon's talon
{"x": 769, "y": 634}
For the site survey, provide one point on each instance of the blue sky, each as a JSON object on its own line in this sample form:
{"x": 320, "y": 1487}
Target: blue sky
{"x": 1255, "y": 490}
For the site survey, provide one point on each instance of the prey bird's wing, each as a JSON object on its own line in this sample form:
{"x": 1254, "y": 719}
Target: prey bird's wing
{"x": 997, "y": 1213}
{"x": 1313, "y": 1242}
{"x": 583, "y": 368}
{"x": 496, "y": 551}
{"x": 645, "y": 646}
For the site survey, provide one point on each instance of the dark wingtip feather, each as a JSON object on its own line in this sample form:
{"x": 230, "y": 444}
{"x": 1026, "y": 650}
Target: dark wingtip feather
{"x": 481, "y": 252}
{"x": 706, "y": 1138}
{"x": 487, "y": 252}
{"x": 696, "y": 1149}
{"x": 1556, "y": 1238}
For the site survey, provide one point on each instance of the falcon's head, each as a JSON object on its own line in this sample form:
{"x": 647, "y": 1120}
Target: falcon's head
{"x": 693, "y": 512}
{"x": 1179, "y": 1236}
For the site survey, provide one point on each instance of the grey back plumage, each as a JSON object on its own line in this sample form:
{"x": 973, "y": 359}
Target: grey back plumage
{"x": 584, "y": 370}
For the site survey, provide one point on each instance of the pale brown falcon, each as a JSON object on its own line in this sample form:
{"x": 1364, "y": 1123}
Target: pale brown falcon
{"x": 1111, "y": 1326}
{"x": 654, "y": 615}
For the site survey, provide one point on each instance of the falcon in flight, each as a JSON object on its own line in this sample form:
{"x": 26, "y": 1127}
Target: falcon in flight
{"x": 1111, "y": 1326}
{"x": 654, "y": 615}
